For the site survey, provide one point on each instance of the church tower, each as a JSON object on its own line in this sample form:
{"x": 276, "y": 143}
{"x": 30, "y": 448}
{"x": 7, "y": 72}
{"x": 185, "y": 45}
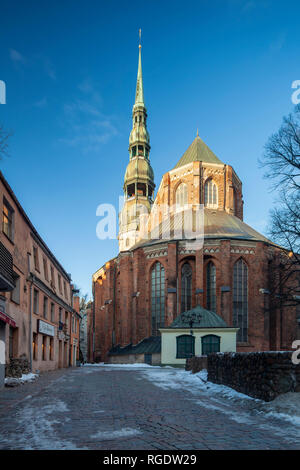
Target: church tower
{"x": 139, "y": 177}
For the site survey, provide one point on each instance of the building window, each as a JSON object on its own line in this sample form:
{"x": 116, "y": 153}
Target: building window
{"x": 51, "y": 355}
{"x": 45, "y": 307}
{"x": 8, "y": 220}
{"x": 181, "y": 196}
{"x": 157, "y": 297}
{"x": 59, "y": 283}
{"x": 67, "y": 321}
{"x": 12, "y": 342}
{"x": 35, "y": 301}
{"x": 35, "y": 346}
{"x": 65, "y": 289}
{"x": 185, "y": 346}
{"x": 15, "y": 294}
{"x": 211, "y": 287}
{"x": 45, "y": 269}
{"x": 52, "y": 276}
{"x": 36, "y": 258}
{"x": 240, "y": 300}
{"x": 234, "y": 200}
{"x": 210, "y": 194}
{"x": 60, "y": 315}
{"x": 210, "y": 344}
{"x": 44, "y": 348}
{"x": 186, "y": 287}
{"x": 52, "y": 312}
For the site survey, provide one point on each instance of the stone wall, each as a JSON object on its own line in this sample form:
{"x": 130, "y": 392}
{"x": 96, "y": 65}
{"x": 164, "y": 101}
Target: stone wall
{"x": 196, "y": 363}
{"x": 263, "y": 375}
{"x": 17, "y": 367}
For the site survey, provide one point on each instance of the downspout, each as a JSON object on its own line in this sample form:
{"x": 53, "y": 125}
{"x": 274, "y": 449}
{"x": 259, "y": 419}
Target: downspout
{"x": 93, "y": 339}
{"x": 114, "y": 308}
{"x": 30, "y": 279}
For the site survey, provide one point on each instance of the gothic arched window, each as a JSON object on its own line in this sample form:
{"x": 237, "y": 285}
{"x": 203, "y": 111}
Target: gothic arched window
{"x": 186, "y": 287}
{"x": 185, "y": 346}
{"x": 157, "y": 297}
{"x": 181, "y": 195}
{"x": 211, "y": 287}
{"x": 240, "y": 299}
{"x": 210, "y": 194}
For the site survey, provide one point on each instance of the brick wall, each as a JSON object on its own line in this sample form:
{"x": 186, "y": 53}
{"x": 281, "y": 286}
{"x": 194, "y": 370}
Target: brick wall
{"x": 195, "y": 364}
{"x": 263, "y": 375}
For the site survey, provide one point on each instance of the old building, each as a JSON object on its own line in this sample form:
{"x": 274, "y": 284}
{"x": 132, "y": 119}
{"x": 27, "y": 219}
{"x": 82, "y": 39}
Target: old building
{"x": 156, "y": 278}
{"x": 39, "y": 319}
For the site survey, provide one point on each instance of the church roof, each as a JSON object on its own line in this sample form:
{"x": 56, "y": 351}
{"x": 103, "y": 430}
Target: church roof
{"x": 217, "y": 225}
{"x": 200, "y": 317}
{"x": 198, "y": 151}
{"x": 151, "y": 345}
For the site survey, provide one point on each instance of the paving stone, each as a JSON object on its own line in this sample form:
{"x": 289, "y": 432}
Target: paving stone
{"x": 111, "y": 408}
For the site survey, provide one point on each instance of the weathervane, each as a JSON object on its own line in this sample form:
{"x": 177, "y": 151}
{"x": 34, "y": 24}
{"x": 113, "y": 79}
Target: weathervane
{"x": 140, "y": 37}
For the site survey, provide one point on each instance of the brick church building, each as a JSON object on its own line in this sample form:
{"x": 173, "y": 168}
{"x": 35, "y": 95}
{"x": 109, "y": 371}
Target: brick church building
{"x": 154, "y": 279}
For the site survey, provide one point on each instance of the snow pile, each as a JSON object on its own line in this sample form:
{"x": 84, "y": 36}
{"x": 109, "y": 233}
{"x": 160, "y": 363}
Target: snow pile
{"x": 14, "y": 381}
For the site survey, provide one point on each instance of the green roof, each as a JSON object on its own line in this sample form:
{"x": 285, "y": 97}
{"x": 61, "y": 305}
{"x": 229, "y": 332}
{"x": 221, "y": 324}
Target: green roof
{"x": 149, "y": 345}
{"x": 198, "y": 151}
{"x": 202, "y": 319}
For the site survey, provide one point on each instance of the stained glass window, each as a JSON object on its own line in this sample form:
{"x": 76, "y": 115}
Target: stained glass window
{"x": 211, "y": 286}
{"x": 210, "y": 194}
{"x": 157, "y": 297}
{"x": 240, "y": 300}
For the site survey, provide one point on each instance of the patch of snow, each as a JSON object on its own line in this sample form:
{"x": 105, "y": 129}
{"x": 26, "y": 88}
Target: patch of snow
{"x": 136, "y": 365}
{"x": 109, "y": 435}
{"x": 13, "y": 381}
{"x": 35, "y": 427}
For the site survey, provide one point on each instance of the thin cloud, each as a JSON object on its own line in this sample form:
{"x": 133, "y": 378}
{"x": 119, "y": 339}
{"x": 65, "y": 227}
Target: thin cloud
{"x": 41, "y": 103}
{"x": 16, "y": 57}
{"x": 87, "y": 127}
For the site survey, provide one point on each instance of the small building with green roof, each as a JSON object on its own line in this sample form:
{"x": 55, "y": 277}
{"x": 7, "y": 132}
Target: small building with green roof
{"x": 197, "y": 332}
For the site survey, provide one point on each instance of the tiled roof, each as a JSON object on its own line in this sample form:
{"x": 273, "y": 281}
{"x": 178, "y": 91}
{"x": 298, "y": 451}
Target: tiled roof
{"x": 198, "y": 151}
{"x": 149, "y": 345}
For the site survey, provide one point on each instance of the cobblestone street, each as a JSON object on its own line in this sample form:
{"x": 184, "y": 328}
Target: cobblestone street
{"x": 135, "y": 408}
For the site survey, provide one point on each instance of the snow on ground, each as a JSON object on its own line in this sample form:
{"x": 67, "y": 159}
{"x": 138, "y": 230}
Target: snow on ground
{"x": 121, "y": 366}
{"x": 13, "y": 381}
{"x": 218, "y": 397}
{"x": 222, "y": 398}
{"x": 35, "y": 428}
{"x": 109, "y": 435}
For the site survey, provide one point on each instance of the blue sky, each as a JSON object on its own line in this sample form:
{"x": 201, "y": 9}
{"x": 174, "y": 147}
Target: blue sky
{"x": 224, "y": 66}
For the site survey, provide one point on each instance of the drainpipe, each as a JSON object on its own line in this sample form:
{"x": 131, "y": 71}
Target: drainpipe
{"x": 30, "y": 326}
{"x": 93, "y": 349}
{"x": 30, "y": 279}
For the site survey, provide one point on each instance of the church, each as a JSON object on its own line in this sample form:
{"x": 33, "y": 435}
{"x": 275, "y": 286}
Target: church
{"x": 159, "y": 282}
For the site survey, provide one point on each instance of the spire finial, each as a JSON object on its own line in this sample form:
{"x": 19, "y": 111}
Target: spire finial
{"x": 197, "y": 132}
{"x": 140, "y": 38}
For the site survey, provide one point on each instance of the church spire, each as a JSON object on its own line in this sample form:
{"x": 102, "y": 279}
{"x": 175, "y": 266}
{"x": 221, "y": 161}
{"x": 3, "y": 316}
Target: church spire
{"x": 139, "y": 177}
{"x": 139, "y": 94}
